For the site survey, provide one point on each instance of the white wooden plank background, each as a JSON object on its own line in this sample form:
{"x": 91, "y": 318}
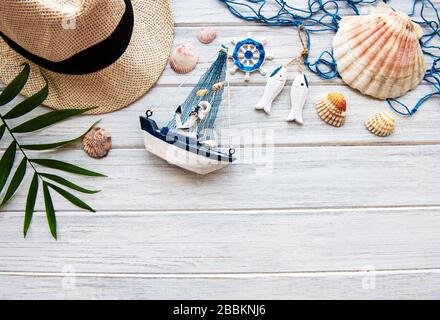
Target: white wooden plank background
{"x": 321, "y": 213}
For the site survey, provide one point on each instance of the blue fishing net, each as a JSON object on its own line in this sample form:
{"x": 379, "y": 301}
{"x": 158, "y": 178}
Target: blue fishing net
{"x": 215, "y": 74}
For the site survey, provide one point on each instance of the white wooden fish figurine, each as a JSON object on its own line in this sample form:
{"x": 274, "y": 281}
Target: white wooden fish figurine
{"x": 274, "y": 86}
{"x": 298, "y": 97}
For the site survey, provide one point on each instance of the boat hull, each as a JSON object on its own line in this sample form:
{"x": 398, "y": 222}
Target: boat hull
{"x": 186, "y": 154}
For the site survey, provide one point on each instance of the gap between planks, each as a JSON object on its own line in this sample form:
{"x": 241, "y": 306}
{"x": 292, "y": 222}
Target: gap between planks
{"x": 379, "y": 143}
{"x": 262, "y": 275}
{"x": 328, "y": 83}
{"x": 262, "y": 211}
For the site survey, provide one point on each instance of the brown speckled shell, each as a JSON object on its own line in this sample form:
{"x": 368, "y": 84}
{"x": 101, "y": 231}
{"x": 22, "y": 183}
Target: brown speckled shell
{"x": 97, "y": 143}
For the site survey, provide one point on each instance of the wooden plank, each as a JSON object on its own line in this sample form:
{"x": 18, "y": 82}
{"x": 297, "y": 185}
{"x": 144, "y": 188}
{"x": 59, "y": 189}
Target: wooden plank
{"x": 283, "y": 43}
{"x": 225, "y": 242}
{"x": 250, "y": 127}
{"x": 362, "y": 285}
{"x": 214, "y": 12}
{"x": 263, "y": 178}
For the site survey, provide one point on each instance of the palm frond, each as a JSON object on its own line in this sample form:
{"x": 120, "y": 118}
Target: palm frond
{"x": 8, "y": 158}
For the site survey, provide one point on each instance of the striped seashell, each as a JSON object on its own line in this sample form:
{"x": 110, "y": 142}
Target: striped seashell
{"x": 184, "y": 58}
{"x": 332, "y": 109}
{"x": 97, "y": 143}
{"x": 381, "y": 124}
{"x": 206, "y": 35}
{"x": 380, "y": 54}
{"x": 218, "y": 86}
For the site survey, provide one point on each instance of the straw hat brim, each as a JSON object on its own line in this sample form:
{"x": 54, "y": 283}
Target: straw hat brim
{"x": 119, "y": 84}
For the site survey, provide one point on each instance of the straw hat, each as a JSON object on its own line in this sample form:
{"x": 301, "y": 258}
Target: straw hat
{"x": 100, "y": 53}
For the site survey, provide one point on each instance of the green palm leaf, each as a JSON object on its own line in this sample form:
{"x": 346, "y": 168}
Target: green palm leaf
{"x": 49, "y": 146}
{"x": 30, "y": 204}
{"x": 6, "y": 164}
{"x": 29, "y": 104}
{"x": 50, "y": 211}
{"x": 67, "y": 184}
{"x": 16, "y": 181}
{"x": 47, "y": 119}
{"x": 2, "y": 131}
{"x": 70, "y": 197}
{"x": 64, "y": 166}
{"x": 8, "y": 158}
{"x": 14, "y": 88}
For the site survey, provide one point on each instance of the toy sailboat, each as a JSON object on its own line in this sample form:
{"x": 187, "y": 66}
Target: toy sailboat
{"x": 187, "y": 140}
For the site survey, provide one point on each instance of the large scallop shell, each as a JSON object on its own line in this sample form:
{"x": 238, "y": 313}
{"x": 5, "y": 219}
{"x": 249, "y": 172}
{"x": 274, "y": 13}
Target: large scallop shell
{"x": 206, "y": 35}
{"x": 184, "y": 58}
{"x": 380, "y": 54}
{"x": 97, "y": 143}
{"x": 332, "y": 109}
{"x": 381, "y": 124}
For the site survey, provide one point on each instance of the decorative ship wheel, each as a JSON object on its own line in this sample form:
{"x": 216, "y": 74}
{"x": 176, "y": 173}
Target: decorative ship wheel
{"x": 249, "y": 55}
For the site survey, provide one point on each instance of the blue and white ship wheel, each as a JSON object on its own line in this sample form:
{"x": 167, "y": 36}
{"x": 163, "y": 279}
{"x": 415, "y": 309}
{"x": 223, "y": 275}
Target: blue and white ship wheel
{"x": 249, "y": 55}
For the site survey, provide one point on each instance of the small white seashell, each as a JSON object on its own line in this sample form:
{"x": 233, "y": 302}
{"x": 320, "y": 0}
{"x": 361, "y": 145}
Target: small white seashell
{"x": 206, "y": 35}
{"x": 381, "y": 124}
{"x": 184, "y": 58}
{"x": 97, "y": 143}
{"x": 332, "y": 109}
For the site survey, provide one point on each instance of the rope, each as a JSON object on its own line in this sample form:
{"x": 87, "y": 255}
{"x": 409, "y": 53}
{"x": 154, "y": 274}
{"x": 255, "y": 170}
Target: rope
{"x": 228, "y": 84}
{"x": 324, "y": 16}
{"x": 304, "y": 39}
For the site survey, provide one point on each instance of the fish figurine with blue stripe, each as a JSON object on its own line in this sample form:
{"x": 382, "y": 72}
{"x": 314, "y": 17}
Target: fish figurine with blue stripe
{"x": 274, "y": 86}
{"x": 298, "y": 98}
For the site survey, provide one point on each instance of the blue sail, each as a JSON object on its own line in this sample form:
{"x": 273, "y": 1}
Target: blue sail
{"x": 215, "y": 74}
